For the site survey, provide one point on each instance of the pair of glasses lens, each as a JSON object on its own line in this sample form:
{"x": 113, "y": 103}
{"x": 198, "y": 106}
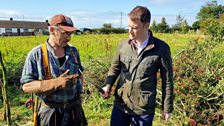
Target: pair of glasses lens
{"x": 64, "y": 32}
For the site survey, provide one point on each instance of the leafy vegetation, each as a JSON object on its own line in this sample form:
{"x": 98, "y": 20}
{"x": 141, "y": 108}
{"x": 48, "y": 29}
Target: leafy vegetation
{"x": 209, "y": 17}
{"x": 198, "y": 69}
{"x": 109, "y": 30}
{"x": 200, "y": 86}
{"x": 96, "y": 53}
{"x": 210, "y": 10}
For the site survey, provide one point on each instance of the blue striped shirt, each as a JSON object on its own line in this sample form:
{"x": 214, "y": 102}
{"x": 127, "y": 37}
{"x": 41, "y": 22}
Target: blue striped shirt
{"x": 33, "y": 70}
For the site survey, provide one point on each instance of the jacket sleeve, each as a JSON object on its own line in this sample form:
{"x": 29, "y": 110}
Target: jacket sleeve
{"x": 30, "y": 68}
{"x": 114, "y": 70}
{"x": 166, "y": 71}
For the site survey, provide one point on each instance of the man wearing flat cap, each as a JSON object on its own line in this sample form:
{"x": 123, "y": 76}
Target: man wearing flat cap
{"x": 53, "y": 72}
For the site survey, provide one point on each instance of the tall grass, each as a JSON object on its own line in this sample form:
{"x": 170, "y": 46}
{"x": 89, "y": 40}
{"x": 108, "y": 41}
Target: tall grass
{"x": 96, "y": 54}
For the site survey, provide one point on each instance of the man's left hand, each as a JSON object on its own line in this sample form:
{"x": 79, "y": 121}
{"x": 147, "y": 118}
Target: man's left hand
{"x": 106, "y": 90}
{"x": 166, "y": 115}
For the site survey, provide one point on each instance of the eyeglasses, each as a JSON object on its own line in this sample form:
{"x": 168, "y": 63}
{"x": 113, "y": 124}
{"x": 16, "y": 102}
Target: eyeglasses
{"x": 63, "y": 32}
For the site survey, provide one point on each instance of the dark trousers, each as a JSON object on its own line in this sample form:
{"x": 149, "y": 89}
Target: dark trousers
{"x": 61, "y": 117}
{"x": 120, "y": 118}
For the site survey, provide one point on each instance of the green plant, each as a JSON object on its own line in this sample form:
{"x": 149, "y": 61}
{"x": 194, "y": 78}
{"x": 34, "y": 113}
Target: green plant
{"x": 199, "y": 80}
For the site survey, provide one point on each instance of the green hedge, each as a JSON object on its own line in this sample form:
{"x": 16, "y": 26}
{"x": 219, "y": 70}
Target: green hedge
{"x": 110, "y": 30}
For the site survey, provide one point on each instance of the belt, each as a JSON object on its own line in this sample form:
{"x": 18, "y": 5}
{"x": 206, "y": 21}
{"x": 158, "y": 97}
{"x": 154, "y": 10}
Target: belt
{"x": 65, "y": 105}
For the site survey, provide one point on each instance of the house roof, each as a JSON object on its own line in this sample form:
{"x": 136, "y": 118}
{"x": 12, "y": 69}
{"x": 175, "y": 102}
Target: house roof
{"x": 22, "y": 24}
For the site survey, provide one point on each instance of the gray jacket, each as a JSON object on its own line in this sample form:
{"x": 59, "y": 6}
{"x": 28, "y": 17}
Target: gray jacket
{"x": 135, "y": 92}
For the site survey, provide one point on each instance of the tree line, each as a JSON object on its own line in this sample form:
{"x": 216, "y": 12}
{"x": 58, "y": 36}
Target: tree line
{"x": 210, "y": 20}
{"x": 210, "y": 14}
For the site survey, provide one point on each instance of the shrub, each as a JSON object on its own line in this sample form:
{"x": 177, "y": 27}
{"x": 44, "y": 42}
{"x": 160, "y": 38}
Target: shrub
{"x": 110, "y": 30}
{"x": 199, "y": 81}
{"x": 213, "y": 27}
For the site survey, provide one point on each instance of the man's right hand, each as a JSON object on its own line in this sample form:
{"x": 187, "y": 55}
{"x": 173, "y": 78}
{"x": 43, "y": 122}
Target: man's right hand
{"x": 166, "y": 116}
{"x": 49, "y": 86}
{"x": 64, "y": 81}
{"x": 106, "y": 94}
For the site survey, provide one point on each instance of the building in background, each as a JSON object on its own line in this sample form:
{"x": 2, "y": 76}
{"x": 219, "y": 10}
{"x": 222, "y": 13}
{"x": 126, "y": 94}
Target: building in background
{"x": 22, "y": 28}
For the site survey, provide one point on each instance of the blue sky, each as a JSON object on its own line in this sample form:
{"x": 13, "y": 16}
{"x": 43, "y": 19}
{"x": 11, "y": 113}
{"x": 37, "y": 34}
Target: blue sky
{"x": 94, "y": 13}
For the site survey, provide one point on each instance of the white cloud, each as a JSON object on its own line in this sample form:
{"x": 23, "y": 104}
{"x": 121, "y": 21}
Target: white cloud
{"x": 8, "y": 13}
{"x": 93, "y": 19}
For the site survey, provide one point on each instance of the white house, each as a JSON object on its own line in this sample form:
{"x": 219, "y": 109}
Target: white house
{"x": 21, "y": 28}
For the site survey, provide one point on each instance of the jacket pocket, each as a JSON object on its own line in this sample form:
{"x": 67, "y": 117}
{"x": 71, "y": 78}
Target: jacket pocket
{"x": 145, "y": 99}
{"x": 124, "y": 92}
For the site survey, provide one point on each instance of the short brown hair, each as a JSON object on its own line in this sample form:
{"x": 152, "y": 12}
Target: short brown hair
{"x": 140, "y": 13}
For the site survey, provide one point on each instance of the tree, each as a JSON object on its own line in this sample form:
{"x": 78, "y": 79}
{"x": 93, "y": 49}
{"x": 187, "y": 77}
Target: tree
{"x": 184, "y": 27}
{"x": 210, "y": 10}
{"x": 211, "y": 19}
{"x": 163, "y": 27}
{"x": 196, "y": 25}
{"x": 153, "y": 27}
{"x": 181, "y": 24}
{"x": 180, "y": 20}
{"x": 107, "y": 25}
{"x": 177, "y": 26}
{"x": 213, "y": 27}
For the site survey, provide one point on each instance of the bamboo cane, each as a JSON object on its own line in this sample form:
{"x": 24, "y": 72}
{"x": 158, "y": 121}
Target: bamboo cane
{"x": 35, "y": 114}
{"x": 7, "y": 115}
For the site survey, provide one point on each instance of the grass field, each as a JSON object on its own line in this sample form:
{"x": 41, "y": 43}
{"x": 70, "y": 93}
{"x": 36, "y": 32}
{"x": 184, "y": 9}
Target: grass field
{"x": 91, "y": 47}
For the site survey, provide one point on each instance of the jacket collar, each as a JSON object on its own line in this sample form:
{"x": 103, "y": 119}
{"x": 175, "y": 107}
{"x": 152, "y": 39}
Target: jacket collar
{"x": 150, "y": 44}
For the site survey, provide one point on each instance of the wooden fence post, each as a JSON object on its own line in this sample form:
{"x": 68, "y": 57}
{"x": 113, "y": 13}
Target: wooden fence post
{"x": 7, "y": 115}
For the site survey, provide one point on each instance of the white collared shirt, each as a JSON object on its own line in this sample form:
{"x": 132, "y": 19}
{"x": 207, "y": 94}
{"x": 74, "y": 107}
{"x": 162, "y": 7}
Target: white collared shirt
{"x": 142, "y": 46}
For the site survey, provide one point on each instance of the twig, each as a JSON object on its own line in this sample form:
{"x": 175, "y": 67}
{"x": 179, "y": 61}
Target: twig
{"x": 7, "y": 114}
{"x": 213, "y": 98}
{"x": 1, "y": 83}
{"x": 217, "y": 88}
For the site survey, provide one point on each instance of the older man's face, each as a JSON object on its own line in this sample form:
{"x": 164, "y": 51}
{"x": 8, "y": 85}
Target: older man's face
{"x": 63, "y": 37}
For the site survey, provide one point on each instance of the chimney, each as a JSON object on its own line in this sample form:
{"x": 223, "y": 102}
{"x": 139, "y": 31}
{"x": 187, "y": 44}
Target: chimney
{"x": 11, "y": 19}
{"x": 47, "y": 22}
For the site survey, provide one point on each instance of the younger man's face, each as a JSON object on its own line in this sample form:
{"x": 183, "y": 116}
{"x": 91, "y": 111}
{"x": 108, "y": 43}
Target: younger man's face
{"x": 136, "y": 28}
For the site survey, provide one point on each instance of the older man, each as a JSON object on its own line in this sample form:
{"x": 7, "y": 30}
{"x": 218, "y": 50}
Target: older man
{"x": 52, "y": 71}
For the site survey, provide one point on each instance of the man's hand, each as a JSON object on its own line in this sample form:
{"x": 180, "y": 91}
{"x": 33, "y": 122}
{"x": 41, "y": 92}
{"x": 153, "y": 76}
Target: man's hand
{"x": 64, "y": 81}
{"x": 166, "y": 115}
{"x": 106, "y": 94}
